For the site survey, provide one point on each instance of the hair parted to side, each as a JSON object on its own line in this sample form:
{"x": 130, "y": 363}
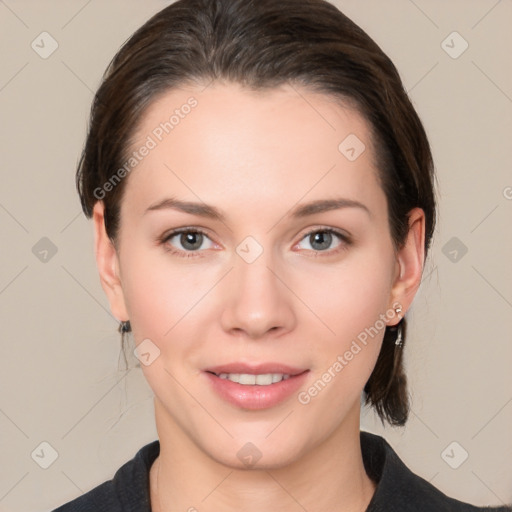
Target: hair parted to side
{"x": 263, "y": 44}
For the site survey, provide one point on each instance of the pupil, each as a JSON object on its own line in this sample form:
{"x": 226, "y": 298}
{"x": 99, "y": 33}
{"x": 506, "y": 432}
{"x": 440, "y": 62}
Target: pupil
{"x": 191, "y": 240}
{"x": 323, "y": 238}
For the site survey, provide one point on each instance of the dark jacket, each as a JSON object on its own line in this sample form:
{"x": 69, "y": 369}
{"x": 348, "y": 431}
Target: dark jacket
{"x": 398, "y": 489}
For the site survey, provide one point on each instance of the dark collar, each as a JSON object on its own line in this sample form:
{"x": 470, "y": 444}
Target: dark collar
{"x": 398, "y": 488}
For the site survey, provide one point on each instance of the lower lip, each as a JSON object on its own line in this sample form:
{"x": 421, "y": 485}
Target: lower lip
{"x": 256, "y": 397}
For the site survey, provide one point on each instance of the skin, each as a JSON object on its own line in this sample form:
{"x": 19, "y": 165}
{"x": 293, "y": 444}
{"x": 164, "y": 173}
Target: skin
{"x": 256, "y": 156}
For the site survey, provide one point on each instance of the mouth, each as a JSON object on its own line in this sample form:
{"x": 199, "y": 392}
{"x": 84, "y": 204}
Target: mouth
{"x": 248, "y": 379}
{"x": 255, "y": 387}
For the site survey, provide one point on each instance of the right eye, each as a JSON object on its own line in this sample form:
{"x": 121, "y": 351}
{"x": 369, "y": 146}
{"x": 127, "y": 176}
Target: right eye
{"x": 183, "y": 241}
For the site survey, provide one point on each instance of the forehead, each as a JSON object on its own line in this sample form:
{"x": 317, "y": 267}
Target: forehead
{"x": 227, "y": 143}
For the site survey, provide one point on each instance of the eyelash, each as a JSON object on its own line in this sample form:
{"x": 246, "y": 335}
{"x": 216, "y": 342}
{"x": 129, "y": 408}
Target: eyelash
{"x": 342, "y": 237}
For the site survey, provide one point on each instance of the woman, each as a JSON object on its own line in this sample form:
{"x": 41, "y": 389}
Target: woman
{"x": 262, "y": 196}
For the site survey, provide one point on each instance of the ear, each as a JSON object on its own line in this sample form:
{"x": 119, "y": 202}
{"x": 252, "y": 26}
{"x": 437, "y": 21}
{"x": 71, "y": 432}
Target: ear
{"x": 409, "y": 263}
{"x": 108, "y": 264}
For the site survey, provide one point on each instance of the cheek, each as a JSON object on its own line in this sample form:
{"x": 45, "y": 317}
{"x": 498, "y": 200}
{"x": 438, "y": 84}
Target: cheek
{"x": 160, "y": 293}
{"x": 163, "y": 303}
{"x": 349, "y": 298}
{"x": 175, "y": 306}
{"x": 347, "y": 358}
{"x": 352, "y": 304}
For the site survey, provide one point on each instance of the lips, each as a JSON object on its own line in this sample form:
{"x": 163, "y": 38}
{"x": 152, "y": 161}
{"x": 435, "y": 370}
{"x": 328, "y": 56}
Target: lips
{"x": 254, "y": 396}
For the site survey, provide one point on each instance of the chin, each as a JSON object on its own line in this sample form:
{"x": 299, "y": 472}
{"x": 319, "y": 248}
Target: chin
{"x": 260, "y": 453}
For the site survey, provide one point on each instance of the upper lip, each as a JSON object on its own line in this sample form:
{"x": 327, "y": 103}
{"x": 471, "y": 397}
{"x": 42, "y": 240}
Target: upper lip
{"x": 255, "y": 368}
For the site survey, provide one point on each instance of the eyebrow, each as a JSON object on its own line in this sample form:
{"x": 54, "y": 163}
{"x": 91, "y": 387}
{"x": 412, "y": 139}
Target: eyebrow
{"x": 325, "y": 205}
{"x": 200, "y": 209}
{"x": 211, "y": 212}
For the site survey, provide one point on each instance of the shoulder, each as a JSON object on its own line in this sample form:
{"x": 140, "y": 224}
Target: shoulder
{"x": 128, "y": 491}
{"x": 398, "y": 488}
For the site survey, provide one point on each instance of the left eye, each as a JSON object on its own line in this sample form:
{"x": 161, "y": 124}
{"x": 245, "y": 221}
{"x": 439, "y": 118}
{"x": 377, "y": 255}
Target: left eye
{"x": 189, "y": 240}
{"x": 322, "y": 240}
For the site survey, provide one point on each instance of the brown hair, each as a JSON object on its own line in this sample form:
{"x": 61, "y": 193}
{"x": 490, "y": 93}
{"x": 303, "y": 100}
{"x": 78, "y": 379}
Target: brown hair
{"x": 264, "y": 44}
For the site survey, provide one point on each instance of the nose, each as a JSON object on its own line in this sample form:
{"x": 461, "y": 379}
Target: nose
{"x": 258, "y": 302}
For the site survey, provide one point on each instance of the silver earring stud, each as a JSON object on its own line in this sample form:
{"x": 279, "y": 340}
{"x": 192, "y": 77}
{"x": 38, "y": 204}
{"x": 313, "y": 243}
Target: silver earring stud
{"x": 399, "y": 340}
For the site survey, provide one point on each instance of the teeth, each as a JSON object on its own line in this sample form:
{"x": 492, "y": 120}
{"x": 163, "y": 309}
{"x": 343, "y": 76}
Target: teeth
{"x": 248, "y": 379}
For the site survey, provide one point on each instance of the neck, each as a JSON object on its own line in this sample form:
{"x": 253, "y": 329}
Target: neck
{"x": 330, "y": 477}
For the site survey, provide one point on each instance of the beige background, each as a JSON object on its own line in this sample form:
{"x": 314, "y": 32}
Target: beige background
{"x": 59, "y": 346}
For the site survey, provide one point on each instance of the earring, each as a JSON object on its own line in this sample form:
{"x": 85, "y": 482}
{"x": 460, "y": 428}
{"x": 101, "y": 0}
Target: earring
{"x": 398, "y": 311}
{"x": 399, "y": 340}
{"x": 125, "y": 327}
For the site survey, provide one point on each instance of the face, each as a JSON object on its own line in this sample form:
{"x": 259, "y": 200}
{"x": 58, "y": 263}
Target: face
{"x": 252, "y": 243}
